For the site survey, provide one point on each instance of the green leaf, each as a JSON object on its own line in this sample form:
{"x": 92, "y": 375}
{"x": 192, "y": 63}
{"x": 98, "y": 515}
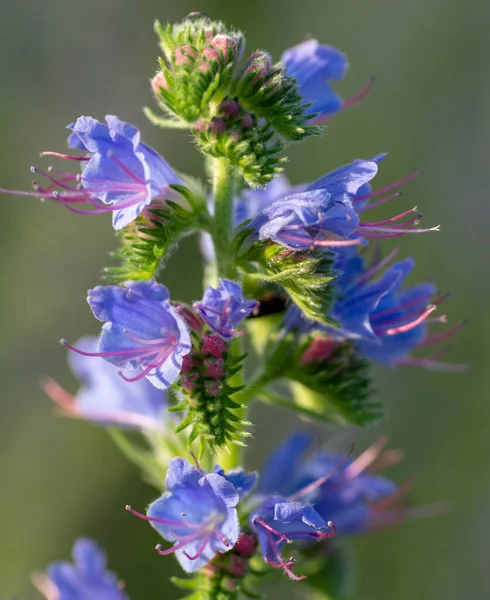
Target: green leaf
{"x": 304, "y": 276}
{"x": 147, "y": 242}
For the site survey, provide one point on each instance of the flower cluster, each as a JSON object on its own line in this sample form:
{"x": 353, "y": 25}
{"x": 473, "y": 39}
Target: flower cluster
{"x": 289, "y": 279}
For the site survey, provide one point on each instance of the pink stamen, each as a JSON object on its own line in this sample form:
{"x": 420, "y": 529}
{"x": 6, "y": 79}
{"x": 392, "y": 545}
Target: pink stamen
{"x": 285, "y": 566}
{"x": 374, "y": 204}
{"x": 412, "y": 324}
{"x": 380, "y": 315}
{"x": 200, "y": 550}
{"x": 58, "y": 394}
{"x": 153, "y": 519}
{"x": 67, "y": 156}
{"x": 435, "y": 339}
{"x": 281, "y": 536}
{"x": 392, "y": 220}
{"x": 363, "y": 461}
{"x": 119, "y": 162}
{"x": 377, "y": 267}
{"x": 382, "y": 191}
{"x": 317, "y": 534}
{"x": 347, "y": 103}
{"x": 320, "y": 481}
{"x": 136, "y": 352}
{"x": 360, "y": 94}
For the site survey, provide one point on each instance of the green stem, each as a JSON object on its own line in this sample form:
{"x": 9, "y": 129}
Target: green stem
{"x": 223, "y": 188}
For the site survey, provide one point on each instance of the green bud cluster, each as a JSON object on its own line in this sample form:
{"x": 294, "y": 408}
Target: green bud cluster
{"x": 246, "y": 113}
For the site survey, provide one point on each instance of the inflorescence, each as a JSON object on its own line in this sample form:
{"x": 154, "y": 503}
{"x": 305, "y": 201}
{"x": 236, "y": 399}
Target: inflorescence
{"x": 290, "y": 268}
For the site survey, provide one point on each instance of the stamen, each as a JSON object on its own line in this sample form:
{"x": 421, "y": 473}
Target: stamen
{"x": 392, "y": 220}
{"x": 435, "y": 339}
{"x": 58, "y": 394}
{"x": 412, "y": 324}
{"x": 382, "y": 191}
{"x": 66, "y": 156}
{"x": 374, "y": 204}
{"x": 118, "y": 161}
{"x": 283, "y": 537}
{"x": 200, "y": 550}
{"x": 377, "y": 267}
{"x": 321, "y": 480}
{"x": 363, "y": 461}
{"x": 153, "y": 519}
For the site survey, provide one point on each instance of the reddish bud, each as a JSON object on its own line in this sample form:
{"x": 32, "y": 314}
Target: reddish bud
{"x": 159, "y": 83}
{"x": 184, "y": 55}
{"x": 319, "y": 349}
{"x": 213, "y": 345}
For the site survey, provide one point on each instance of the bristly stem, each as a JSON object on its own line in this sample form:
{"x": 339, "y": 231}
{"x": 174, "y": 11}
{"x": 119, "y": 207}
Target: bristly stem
{"x": 223, "y": 189}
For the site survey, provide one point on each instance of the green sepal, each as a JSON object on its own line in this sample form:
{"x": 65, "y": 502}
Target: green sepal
{"x": 247, "y": 143}
{"x": 333, "y": 389}
{"x": 271, "y": 94}
{"x": 305, "y": 275}
{"x": 147, "y": 243}
{"x": 212, "y": 415}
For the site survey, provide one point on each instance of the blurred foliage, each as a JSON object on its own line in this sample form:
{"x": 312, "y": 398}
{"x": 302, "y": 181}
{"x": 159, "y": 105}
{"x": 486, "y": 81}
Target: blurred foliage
{"x": 430, "y": 108}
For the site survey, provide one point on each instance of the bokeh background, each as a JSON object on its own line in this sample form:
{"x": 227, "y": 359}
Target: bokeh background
{"x": 430, "y": 108}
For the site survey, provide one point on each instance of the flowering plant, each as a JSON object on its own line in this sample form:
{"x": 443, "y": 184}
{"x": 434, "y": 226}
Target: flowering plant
{"x": 291, "y": 289}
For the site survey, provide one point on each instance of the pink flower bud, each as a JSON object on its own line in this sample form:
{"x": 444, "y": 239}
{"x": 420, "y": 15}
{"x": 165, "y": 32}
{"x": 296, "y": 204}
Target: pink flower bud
{"x": 184, "y": 55}
{"x": 225, "y": 44}
{"x": 319, "y": 349}
{"x": 214, "y": 345}
{"x": 158, "y": 83}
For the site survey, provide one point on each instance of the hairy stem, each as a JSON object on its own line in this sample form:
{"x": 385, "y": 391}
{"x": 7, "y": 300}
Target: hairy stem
{"x": 223, "y": 188}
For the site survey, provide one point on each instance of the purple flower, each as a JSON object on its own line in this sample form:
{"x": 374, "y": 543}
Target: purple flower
{"x": 141, "y": 331}
{"x": 277, "y": 521}
{"x": 105, "y": 397}
{"x": 326, "y": 214}
{"x": 224, "y": 308}
{"x": 197, "y": 513}
{"x": 85, "y": 579}
{"x": 339, "y": 488}
{"x": 120, "y": 174}
{"x": 314, "y": 66}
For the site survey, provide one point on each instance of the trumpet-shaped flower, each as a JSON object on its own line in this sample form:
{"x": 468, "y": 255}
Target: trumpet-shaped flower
{"x": 142, "y": 331}
{"x": 339, "y": 488}
{"x": 278, "y": 521}
{"x": 314, "y": 66}
{"x": 197, "y": 514}
{"x": 86, "y": 579}
{"x": 105, "y": 397}
{"x": 326, "y": 214}
{"x": 119, "y": 174}
{"x": 224, "y": 308}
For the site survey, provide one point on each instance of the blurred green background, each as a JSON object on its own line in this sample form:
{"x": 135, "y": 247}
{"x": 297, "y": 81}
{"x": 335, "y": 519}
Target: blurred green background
{"x": 430, "y": 108}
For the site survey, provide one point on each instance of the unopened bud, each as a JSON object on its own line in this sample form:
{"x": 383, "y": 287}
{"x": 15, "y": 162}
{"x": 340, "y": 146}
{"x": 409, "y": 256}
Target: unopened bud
{"x": 226, "y": 45}
{"x": 159, "y": 83}
{"x": 184, "y": 55}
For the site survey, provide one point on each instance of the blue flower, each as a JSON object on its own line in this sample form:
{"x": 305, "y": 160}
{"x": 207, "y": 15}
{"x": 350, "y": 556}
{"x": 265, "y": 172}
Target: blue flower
{"x": 224, "y": 308}
{"x": 141, "y": 331}
{"x": 120, "y": 174}
{"x": 326, "y": 214}
{"x": 86, "y": 579}
{"x": 277, "y": 521}
{"x": 105, "y": 397}
{"x": 323, "y": 215}
{"x": 338, "y": 487}
{"x": 242, "y": 481}
{"x": 314, "y": 66}
{"x": 197, "y": 513}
